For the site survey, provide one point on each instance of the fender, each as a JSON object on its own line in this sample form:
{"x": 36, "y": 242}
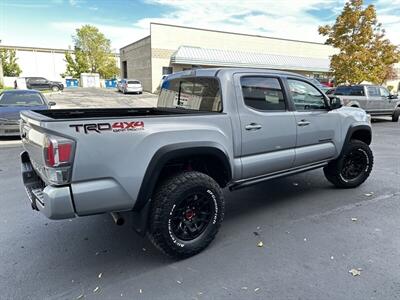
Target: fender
{"x": 355, "y": 128}
{"x": 161, "y": 157}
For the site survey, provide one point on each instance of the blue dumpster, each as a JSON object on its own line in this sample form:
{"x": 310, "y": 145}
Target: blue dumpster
{"x": 71, "y": 83}
{"x": 111, "y": 83}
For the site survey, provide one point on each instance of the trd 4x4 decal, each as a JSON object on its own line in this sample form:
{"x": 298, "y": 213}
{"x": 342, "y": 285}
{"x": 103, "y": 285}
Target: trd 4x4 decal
{"x": 114, "y": 127}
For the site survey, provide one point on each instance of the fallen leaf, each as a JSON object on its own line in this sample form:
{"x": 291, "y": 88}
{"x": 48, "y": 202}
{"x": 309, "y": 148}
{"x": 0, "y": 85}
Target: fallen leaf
{"x": 179, "y": 282}
{"x": 369, "y": 194}
{"x": 96, "y": 289}
{"x": 244, "y": 288}
{"x": 355, "y": 272}
{"x": 256, "y": 289}
{"x": 101, "y": 274}
{"x": 80, "y": 296}
{"x": 260, "y": 244}
{"x": 354, "y": 219}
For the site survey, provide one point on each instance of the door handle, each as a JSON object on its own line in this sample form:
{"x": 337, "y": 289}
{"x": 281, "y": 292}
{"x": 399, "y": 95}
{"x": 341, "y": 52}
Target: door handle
{"x": 253, "y": 126}
{"x": 303, "y": 123}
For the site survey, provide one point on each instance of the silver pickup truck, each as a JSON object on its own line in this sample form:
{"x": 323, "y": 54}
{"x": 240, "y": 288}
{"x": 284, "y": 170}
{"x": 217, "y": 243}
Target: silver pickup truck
{"x": 374, "y": 99}
{"x": 166, "y": 166}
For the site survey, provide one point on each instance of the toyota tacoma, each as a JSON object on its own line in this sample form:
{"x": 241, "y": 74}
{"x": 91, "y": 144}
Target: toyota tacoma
{"x": 166, "y": 166}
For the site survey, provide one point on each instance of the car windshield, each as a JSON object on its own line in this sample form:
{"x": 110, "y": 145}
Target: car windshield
{"x": 133, "y": 82}
{"x": 20, "y": 99}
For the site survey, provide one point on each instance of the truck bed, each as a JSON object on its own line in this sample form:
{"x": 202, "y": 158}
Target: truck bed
{"x": 106, "y": 113}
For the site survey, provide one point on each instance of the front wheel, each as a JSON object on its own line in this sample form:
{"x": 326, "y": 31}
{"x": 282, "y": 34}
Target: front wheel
{"x": 396, "y": 115}
{"x": 352, "y": 167}
{"x": 186, "y": 213}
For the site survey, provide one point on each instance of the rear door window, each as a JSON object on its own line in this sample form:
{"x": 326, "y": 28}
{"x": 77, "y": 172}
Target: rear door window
{"x": 263, "y": 93}
{"x": 199, "y": 93}
{"x": 342, "y": 91}
{"x": 373, "y": 91}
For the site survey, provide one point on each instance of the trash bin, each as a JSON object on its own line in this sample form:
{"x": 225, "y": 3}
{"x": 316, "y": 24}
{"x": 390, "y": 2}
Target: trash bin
{"x": 111, "y": 83}
{"x": 71, "y": 83}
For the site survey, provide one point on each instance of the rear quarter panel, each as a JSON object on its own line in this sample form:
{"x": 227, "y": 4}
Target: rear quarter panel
{"x": 109, "y": 166}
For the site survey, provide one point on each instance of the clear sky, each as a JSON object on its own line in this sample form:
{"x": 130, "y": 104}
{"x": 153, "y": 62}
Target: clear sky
{"x": 51, "y": 23}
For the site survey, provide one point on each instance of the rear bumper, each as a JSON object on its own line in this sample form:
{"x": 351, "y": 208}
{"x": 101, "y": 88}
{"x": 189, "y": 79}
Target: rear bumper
{"x": 134, "y": 90}
{"x": 54, "y": 202}
{"x": 9, "y": 129}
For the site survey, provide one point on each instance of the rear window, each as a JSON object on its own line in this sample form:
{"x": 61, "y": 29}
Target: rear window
{"x": 20, "y": 99}
{"x": 133, "y": 82}
{"x": 199, "y": 93}
{"x": 357, "y": 91}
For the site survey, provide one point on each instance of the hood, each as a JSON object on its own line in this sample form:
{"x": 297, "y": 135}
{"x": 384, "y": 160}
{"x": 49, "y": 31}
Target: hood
{"x": 11, "y": 113}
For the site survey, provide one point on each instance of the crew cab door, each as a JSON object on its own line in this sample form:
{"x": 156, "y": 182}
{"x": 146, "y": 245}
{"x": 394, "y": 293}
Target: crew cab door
{"x": 268, "y": 127}
{"x": 318, "y": 128}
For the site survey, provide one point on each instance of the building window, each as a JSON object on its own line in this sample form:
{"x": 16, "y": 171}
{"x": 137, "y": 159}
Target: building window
{"x": 263, "y": 93}
{"x": 166, "y": 70}
{"x": 124, "y": 69}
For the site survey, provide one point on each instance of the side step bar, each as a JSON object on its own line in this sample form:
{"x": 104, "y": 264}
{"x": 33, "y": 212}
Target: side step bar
{"x": 248, "y": 182}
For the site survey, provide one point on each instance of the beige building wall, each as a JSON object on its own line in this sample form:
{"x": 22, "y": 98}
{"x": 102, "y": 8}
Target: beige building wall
{"x": 166, "y": 39}
{"x": 138, "y": 62}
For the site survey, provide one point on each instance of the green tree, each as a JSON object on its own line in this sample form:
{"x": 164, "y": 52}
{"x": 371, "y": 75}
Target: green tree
{"x": 9, "y": 63}
{"x": 92, "y": 54}
{"x": 364, "y": 52}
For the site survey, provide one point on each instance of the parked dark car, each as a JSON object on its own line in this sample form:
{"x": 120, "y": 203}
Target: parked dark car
{"x": 40, "y": 83}
{"x": 12, "y": 102}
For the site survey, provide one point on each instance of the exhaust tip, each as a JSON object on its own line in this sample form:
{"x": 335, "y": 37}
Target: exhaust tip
{"x": 118, "y": 219}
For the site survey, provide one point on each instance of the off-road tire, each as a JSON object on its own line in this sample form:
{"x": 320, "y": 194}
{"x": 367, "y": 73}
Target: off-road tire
{"x": 333, "y": 172}
{"x": 168, "y": 196}
{"x": 55, "y": 88}
{"x": 396, "y": 115}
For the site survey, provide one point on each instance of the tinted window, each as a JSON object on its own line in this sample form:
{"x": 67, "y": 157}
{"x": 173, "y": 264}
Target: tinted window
{"x": 262, "y": 93}
{"x": 166, "y": 70}
{"x": 373, "y": 91}
{"x": 357, "y": 91}
{"x": 133, "y": 82}
{"x": 191, "y": 93}
{"x": 21, "y": 99}
{"x": 342, "y": 90}
{"x": 305, "y": 96}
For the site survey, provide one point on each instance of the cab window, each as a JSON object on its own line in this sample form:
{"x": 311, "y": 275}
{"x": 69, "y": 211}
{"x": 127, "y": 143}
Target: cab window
{"x": 305, "y": 96}
{"x": 263, "y": 93}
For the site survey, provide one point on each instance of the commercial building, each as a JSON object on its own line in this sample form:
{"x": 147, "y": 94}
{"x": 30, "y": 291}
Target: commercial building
{"x": 171, "y": 48}
{"x": 41, "y": 62}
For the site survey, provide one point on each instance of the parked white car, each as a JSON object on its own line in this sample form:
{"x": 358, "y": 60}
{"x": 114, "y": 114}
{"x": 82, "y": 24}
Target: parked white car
{"x": 130, "y": 86}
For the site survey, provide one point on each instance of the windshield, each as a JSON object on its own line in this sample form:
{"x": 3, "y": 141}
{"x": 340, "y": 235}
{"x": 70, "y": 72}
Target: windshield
{"x": 133, "y": 82}
{"x": 20, "y": 99}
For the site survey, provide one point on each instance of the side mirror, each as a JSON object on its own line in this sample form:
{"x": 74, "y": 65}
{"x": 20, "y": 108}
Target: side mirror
{"x": 52, "y": 103}
{"x": 335, "y": 102}
{"x": 393, "y": 96}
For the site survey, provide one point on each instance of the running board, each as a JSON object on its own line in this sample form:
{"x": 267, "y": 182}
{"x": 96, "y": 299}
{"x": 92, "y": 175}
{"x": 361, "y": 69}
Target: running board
{"x": 248, "y": 182}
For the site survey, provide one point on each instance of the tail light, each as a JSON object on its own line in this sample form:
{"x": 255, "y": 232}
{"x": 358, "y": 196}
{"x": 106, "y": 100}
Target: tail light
{"x": 58, "y": 157}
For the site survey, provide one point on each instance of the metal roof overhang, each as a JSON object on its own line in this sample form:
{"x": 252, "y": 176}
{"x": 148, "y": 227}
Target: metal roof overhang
{"x": 228, "y": 58}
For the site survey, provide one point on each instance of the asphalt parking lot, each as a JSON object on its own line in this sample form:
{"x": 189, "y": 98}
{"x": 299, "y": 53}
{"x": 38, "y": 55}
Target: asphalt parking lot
{"x": 312, "y": 235}
{"x": 93, "y": 97}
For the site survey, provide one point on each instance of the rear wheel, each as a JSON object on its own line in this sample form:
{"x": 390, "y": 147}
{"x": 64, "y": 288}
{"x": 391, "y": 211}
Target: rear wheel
{"x": 396, "y": 115}
{"x": 55, "y": 88}
{"x": 186, "y": 213}
{"x": 353, "y": 166}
